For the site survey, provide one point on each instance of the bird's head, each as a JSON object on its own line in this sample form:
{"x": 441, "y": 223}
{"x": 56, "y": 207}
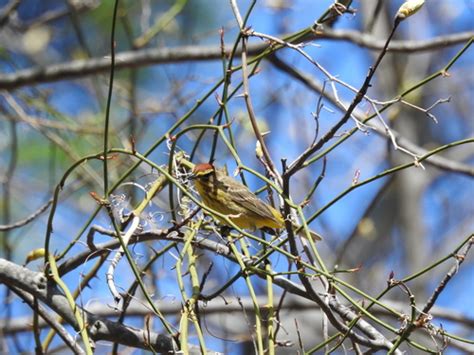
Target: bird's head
{"x": 203, "y": 171}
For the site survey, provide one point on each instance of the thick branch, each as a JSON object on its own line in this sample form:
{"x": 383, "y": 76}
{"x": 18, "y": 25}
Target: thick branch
{"x": 132, "y": 59}
{"x": 36, "y": 284}
{"x": 49, "y": 319}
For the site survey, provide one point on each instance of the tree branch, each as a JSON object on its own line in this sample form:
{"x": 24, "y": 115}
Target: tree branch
{"x": 36, "y": 284}
{"x": 77, "y": 69}
{"x": 435, "y": 160}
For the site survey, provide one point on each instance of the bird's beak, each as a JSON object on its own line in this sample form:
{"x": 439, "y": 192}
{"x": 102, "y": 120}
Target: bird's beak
{"x": 192, "y": 176}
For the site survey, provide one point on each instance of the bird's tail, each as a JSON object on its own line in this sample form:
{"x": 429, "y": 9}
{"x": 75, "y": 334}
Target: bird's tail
{"x": 302, "y": 233}
{"x": 299, "y": 230}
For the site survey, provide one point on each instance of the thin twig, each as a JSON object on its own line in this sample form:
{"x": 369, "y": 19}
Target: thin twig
{"x": 25, "y": 221}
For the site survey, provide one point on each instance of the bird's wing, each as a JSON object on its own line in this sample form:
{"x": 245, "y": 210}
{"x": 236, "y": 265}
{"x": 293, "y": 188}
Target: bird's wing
{"x": 242, "y": 196}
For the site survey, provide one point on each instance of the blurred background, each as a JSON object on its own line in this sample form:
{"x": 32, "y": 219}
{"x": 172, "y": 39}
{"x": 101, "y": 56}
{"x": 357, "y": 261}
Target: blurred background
{"x": 54, "y": 82}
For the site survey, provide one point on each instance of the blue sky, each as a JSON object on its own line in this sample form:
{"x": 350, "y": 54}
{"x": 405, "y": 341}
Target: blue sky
{"x": 445, "y": 201}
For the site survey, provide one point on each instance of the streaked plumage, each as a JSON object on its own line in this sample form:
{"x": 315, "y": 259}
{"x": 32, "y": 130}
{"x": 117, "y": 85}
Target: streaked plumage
{"x": 245, "y": 209}
{"x": 226, "y": 195}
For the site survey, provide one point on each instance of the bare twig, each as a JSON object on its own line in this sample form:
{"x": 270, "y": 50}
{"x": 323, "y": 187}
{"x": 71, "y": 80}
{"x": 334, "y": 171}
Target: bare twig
{"x": 437, "y": 161}
{"x": 25, "y": 221}
{"x": 247, "y": 97}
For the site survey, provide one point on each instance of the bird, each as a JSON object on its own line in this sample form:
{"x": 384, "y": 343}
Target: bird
{"x": 229, "y": 197}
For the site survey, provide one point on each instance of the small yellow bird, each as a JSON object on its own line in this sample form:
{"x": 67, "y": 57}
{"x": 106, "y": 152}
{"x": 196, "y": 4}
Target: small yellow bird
{"x": 226, "y": 195}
